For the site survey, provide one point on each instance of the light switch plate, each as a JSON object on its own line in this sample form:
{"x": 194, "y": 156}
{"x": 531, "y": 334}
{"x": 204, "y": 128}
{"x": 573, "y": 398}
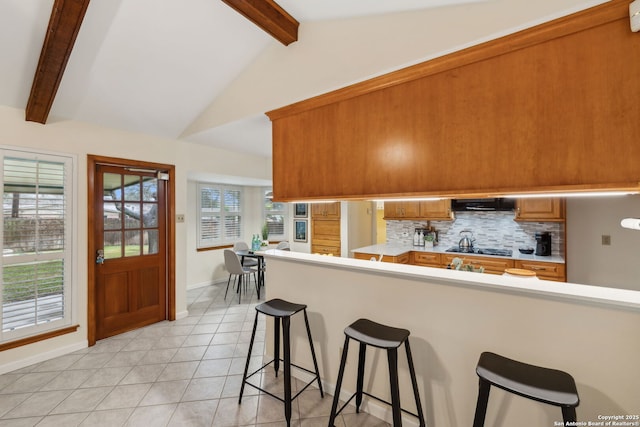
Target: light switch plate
{"x": 179, "y": 217}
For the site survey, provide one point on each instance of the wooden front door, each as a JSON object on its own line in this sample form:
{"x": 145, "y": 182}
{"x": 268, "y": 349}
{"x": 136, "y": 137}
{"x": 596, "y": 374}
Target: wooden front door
{"x": 129, "y": 244}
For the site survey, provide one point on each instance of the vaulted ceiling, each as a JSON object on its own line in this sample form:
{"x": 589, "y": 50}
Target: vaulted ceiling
{"x": 197, "y": 70}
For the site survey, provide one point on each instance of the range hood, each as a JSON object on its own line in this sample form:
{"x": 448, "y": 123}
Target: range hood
{"x": 481, "y": 205}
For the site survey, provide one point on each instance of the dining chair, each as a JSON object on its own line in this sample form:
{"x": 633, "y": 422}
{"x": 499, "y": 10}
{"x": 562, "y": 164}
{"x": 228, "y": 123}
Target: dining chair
{"x": 246, "y": 262}
{"x": 233, "y": 266}
{"x": 284, "y": 246}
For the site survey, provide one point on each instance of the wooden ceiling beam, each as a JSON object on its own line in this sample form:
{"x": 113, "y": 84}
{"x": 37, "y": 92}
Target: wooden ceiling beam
{"x": 269, "y": 16}
{"x": 64, "y": 25}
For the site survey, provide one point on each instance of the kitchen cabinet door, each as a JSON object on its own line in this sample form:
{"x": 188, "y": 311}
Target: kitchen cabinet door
{"x": 436, "y": 210}
{"x": 544, "y": 270}
{"x": 426, "y": 259}
{"x": 396, "y": 259}
{"x": 401, "y": 210}
{"x": 325, "y": 210}
{"x": 491, "y": 265}
{"x": 325, "y": 236}
{"x": 540, "y": 209}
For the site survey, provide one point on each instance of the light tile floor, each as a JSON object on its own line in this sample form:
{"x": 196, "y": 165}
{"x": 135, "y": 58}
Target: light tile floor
{"x": 182, "y": 373}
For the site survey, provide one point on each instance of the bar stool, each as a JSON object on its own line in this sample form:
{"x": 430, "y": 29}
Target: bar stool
{"x": 367, "y": 332}
{"x": 281, "y": 310}
{"x": 544, "y": 385}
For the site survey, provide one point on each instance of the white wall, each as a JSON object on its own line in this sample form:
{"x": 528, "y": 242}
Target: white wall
{"x": 359, "y": 226}
{"x": 588, "y": 261}
{"x": 333, "y": 54}
{"x": 451, "y": 324}
{"x": 82, "y": 139}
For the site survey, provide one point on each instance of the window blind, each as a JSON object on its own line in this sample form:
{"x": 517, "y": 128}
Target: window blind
{"x": 275, "y": 216}
{"x": 36, "y": 249}
{"x": 220, "y": 215}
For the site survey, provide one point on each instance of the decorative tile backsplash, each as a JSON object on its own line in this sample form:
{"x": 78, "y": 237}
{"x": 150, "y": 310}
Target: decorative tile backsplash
{"x": 491, "y": 230}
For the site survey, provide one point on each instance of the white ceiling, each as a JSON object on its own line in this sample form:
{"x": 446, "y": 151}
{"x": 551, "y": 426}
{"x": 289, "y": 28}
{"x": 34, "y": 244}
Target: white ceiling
{"x": 153, "y": 66}
{"x": 157, "y": 66}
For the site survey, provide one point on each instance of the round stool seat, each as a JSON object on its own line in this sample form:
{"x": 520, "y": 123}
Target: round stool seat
{"x": 376, "y": 334}
{"x": 281, "y": 311}
{"x": 542, "y": 384}
{"x": 370, "y": 333}
{"x": 279, "y": 308}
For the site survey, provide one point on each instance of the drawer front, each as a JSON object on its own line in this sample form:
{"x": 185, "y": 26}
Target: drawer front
{"x": 325, "y": 250}
{"x": 366, "y": 256}
{"x": 544, "y": 270}
{"x": 429, "y": 259}
{"x": 490, "y": 265}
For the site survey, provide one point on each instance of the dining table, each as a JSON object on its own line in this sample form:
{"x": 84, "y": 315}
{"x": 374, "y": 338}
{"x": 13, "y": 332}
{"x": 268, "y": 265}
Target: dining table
{"x": 258, "y": 256}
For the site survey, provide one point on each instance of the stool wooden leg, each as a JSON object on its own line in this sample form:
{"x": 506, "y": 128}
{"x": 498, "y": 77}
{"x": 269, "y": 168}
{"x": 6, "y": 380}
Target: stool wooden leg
{"x": 392, "y": 357}
{"x": 246, "y": 366}
{"x": 414, "y": 382}
{"x": 313, "y": 352}
{"x": 336, "y": 394}
{"x": 569, "y": 414}
{"x": 361, "y": 359}
{"x": 276, "y": 344}
{"x": 481, "y": 407}
{"x": 286, "y": 322}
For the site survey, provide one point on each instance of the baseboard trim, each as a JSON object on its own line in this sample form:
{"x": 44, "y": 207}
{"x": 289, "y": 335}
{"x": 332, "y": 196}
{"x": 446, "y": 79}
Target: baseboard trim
{"x": 42, "y": 357}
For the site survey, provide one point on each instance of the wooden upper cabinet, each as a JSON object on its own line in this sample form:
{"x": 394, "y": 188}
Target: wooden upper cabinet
{"x": 540, "y": 209}
{"x": 436, "y": 210}
{"x": 325, "y": 210}
{"x": 427, "y": 210}
{"x": 401, "y": 210}
{"x": 467, "y": 124}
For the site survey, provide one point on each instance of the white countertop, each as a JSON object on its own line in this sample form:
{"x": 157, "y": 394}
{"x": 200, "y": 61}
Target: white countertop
{"x": 532, "y": 286}
{"x": 391, "y": 249}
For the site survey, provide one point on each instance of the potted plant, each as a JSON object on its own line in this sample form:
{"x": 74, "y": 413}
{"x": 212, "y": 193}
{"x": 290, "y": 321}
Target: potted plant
{"x": 428, "y": 241}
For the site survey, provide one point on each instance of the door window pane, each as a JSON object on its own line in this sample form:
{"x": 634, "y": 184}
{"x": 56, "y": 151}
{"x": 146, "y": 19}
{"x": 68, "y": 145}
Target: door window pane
{"x": 132, "y": 215}
{"x": 149, "y": 189}
{"x": 112, "y": 244}
{"x": 132, "y": 243}
{"x": 132, "y": 188}
{"x": 112, "y": 216}
{"x": 150, "y": 215}
{"x": 112, "y": 186}
{"x": 150, "y": 242}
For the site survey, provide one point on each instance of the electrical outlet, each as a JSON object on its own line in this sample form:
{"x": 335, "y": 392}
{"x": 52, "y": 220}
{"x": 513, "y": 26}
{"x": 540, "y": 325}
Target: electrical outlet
{"x": 179, "y": 217}
{"x": 606, "y": 240}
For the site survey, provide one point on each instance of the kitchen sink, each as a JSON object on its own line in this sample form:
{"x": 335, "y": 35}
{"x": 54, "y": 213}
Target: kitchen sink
{"x": 482, "y": 251}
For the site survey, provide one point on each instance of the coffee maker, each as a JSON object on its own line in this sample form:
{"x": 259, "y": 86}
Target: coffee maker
{"x": 543, "y": 243}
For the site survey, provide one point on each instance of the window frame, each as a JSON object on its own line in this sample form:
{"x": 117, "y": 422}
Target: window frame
{"x": 284, "y": 212}
{"x": 32, "y": 333}
{"x": 220, "y": 241}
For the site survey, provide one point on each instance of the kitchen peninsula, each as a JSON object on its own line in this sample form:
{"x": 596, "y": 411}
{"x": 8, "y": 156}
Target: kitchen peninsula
{"x": 453, "y": 317}
{"x": 546, "y": 267}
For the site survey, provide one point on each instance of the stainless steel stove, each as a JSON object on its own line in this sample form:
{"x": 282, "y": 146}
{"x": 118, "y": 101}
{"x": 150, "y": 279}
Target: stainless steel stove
{"x": 482, "y": 251}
